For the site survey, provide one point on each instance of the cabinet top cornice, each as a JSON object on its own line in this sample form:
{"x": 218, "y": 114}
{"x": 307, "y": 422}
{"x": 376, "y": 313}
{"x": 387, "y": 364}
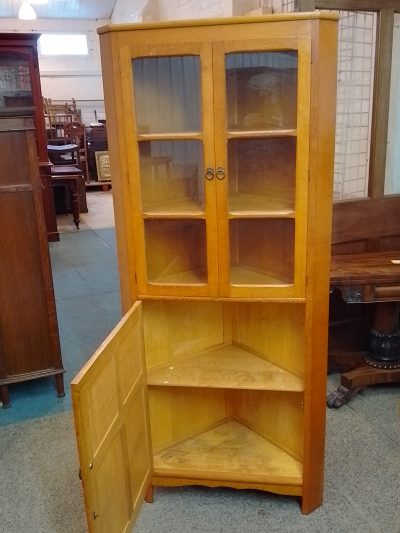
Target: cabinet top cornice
{"x": 281, "y": 17}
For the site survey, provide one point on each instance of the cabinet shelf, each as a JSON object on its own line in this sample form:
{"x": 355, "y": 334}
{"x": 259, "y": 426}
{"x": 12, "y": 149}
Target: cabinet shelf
{"x": 189, "y": 277}
{"x": 240, "y": 275}
{"x": 177, "y": 136}
{"x": 182, "y": 208}
{"x": 229, "y": 451}
{"x": 256, "y": 205}
{"x": 256, "y": 134}
{"x": 226, "y": 366}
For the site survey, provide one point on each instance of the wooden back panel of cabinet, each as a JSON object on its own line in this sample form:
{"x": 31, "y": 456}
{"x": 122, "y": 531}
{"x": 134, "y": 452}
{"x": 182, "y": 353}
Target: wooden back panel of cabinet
{"x": 29, "y": 341}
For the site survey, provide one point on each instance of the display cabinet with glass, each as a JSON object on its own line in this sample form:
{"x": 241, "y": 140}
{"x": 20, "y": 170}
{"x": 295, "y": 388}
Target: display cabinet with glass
{"x": 222, "y": 147}
{"x": 21, "y": 103}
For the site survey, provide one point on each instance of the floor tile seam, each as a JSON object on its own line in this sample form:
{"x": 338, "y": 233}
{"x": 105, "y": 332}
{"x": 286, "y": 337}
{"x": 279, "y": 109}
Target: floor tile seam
{"x": 373, "y": 424}
{"x": 101, "y": 238}
{"x": 80, "y": 296}
{"x": 362, "y": 513}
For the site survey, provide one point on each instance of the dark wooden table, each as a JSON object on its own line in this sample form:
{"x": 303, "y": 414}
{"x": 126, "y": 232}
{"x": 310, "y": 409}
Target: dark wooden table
{"x": 372, "y": 277}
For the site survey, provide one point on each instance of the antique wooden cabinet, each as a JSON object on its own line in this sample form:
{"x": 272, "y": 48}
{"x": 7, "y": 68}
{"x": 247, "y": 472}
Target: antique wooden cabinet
{"x": 29, "y": 341}
{"x": 221, "y": 139}
{"x": 21, "y": 96}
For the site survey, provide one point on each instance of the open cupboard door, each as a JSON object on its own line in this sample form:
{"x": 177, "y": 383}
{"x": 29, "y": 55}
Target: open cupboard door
{"x": 111, "y": 417}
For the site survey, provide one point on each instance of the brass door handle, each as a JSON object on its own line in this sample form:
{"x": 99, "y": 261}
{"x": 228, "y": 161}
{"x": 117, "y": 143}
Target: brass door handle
{"x": 220, "y": 173}
{"x": 209, "y": 175}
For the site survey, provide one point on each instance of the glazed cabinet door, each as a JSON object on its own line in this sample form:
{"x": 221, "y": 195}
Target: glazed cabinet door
{"x": 262, "y": 98}
{"x": 171, "y": 160}
{"x": 111, "y": 418}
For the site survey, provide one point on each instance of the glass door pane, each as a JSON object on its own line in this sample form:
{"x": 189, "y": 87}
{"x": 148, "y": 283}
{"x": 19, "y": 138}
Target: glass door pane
{"x": 261, "y": 90}
{"x": 175, "y": 205}
{"x": 167, "y": 94}
{"x": 262, "y": 175}
{"x": 261, "y": 129}
{"x": 176, "y": 251}
{"x": 15, "y": 85}
{"x": 171, "y": 175}
{"x": 262, "y": 252}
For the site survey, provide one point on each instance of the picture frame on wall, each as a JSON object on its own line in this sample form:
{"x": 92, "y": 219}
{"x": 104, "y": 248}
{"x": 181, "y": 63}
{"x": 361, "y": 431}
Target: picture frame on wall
{"x": 103, "y": 165}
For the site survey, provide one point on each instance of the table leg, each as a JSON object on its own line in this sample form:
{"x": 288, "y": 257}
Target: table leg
{"x": 384, "y": 340}
{"x": 381, "y": 364}
{"x": 75, "y": 204}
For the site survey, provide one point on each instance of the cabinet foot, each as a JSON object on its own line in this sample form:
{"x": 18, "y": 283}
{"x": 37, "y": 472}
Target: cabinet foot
{"x": 149, "y": 496}
{"x": 60, "y": 385}
{"x": 5, "y": 397}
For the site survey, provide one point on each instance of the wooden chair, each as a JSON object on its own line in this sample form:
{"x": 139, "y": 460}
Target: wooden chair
{"x": 364, "y": 339}
{"x": 74, "y": 132}
{"x": 67, "y": 176}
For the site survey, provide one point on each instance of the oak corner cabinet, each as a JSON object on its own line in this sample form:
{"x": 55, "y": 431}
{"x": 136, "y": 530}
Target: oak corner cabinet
{"x": 221, "y": 144}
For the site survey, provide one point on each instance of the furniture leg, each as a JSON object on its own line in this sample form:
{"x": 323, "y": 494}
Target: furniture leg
{"x": 75, "y": 204}
{"x": 381, "y": 364}
{"x": 4, "y": 396}
{"x": 149, "y": 496}
{"x": 60, "y": 385}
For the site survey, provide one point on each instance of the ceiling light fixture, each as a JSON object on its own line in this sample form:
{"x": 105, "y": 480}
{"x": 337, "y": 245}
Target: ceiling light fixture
{"x": 26, "y": 11}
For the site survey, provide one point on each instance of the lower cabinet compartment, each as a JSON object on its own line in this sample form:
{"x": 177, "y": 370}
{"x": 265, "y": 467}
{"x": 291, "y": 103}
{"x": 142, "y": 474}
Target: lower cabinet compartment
{"x": 227, "y": 435}
{"x": 216, "y": 344}
{"x": 225, "y": 387}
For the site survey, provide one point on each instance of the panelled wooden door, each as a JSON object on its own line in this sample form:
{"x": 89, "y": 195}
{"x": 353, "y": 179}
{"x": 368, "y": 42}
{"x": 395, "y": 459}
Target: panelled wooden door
{"x": 111, "y": 418}
{"x": 261, "y": 109}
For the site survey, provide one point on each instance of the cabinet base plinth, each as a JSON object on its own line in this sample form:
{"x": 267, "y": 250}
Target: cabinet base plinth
{"x": 288, "y": 490}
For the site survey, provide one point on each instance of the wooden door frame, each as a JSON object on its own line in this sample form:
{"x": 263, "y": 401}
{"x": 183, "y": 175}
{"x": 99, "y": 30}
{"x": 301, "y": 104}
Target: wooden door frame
{"x": 383, "y": 66}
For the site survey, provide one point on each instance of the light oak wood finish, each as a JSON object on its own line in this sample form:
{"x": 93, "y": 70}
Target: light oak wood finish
{"x": 323, "y": 89}
{"x": 111, "y": 421}
{"x": 286, "y": 489}
{"x": 226, "y": 366}
{"x": 177, "y": 330}
{"x": 232, "y": 268}
{"x": 229, "y": 451}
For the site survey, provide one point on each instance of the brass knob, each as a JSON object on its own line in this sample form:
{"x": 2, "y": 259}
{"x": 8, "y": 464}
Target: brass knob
{"x": 209, "y": 175}
{"x": 220, "y": 173}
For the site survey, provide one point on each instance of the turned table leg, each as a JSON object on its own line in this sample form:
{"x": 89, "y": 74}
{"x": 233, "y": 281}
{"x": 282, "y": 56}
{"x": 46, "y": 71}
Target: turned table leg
{"x": 382, "y": 364}
{"x": 384, "y": 340}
